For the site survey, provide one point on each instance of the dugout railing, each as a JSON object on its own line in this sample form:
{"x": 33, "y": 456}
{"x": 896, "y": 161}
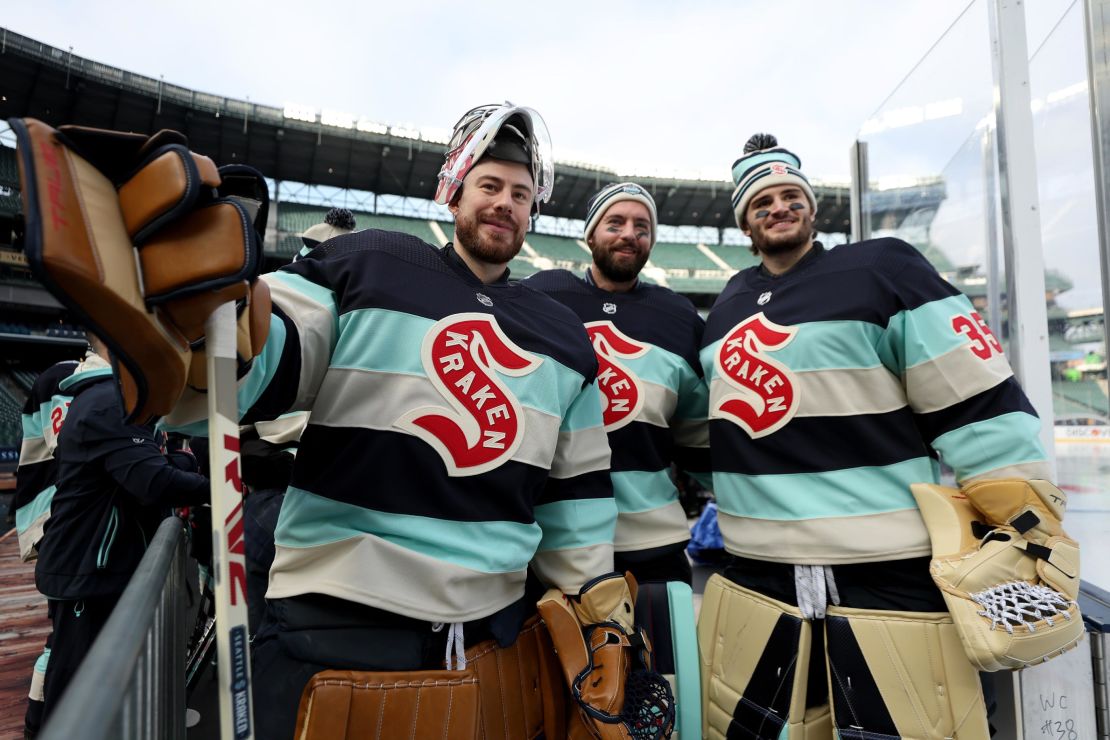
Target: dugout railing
{"x": 132, "y": 683}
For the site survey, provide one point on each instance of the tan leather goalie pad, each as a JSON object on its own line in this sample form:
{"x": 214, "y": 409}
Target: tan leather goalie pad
{"x": 1012, "y": 600}
{"x": 755, "y": 657}
{"x": 503, "y": 694}
{"x": 79, "y": 241}
{"x": 910, "y": 663}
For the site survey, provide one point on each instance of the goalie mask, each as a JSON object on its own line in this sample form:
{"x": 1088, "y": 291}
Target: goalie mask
{"x": 507, "y": 132}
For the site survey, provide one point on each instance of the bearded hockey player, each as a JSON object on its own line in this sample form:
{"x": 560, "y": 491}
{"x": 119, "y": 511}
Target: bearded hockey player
{"x": 646, "y": 339}
{"x": 455, "y": 444}
{"x": 837, "y": 377}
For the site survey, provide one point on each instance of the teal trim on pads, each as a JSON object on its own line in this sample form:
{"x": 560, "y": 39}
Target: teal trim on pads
{"x": 577, "y": 523}
{"x": 309, "y": 520}
{"x": 641, "y": 490}
{"x": 1009, "y": 439}
{"x": 28, "y": 514}
{"x": 687, "y": 668}
{"x": 835, "y": 493}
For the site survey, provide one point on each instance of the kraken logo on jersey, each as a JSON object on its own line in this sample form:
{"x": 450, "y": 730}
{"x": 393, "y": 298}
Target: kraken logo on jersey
{"x": 463, "y": 355}
{"x": 758, "y": 394}
{"x": 620, "y": 387}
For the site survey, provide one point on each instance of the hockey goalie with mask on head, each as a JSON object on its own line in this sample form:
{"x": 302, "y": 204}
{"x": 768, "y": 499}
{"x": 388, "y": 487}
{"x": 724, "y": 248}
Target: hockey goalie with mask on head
{"x": 837, "y": 378}
{"x": 454, "y": 470}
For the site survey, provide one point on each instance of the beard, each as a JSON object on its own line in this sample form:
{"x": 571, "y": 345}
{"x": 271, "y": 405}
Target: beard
{"x": 618, "y": 270}
{"x": 493, "y": 247}
{"x": 776, "y": 244}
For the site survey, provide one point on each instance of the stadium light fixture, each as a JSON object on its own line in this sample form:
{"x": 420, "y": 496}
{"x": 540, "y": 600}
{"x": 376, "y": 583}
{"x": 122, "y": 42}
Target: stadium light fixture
{"x": 298, "y": 112}
{"x": 336, "y": 118}
{"x": 371, "y": 127}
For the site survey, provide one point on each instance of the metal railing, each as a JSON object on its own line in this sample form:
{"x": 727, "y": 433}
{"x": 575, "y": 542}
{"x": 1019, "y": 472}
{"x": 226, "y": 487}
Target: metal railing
{"x": 132, "y": 682}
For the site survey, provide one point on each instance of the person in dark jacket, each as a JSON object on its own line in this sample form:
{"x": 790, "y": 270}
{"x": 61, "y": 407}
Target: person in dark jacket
{"x": 114, "y": 487}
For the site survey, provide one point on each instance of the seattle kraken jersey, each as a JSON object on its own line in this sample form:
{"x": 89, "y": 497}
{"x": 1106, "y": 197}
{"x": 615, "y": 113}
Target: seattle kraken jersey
{"x": 646, "y": 341}
{"x": 837, "y": 385}
{"x": 455, "y": 433}
{"x": 35, "y": 478}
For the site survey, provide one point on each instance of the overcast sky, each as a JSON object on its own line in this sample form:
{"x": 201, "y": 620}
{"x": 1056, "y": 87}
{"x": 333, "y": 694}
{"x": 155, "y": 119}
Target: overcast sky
{"x": 631, "y": 85}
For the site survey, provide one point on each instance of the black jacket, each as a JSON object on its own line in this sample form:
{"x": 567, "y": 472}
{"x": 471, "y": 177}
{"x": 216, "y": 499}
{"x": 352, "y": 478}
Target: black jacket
{"x": 114, "y": 486}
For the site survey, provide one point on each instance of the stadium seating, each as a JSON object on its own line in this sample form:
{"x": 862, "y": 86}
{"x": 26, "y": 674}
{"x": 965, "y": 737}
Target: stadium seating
{"x": 9, "y": 169}
{"x": 416, "y": 227}
{"x": 563, "y": 251}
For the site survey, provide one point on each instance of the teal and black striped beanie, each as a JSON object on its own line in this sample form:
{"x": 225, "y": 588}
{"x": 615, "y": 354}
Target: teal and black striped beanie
{"x": 615, "y": 193}
{"x": 765, "y": 164}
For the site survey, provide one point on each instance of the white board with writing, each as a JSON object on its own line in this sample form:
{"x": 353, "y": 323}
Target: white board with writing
{"x": 1057, "y": 697}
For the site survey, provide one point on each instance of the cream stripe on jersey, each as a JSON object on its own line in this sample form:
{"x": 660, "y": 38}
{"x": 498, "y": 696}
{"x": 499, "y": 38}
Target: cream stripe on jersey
{"x": 893, "y": 535}
{"x": 846, "y": 392}
{"x": 370, "y": 570}
{"x": 316, "y": 326}
{"x": 643, "y": 529}
{"x": 953, "y": 377}
{"x": 351, "y": 397}
{"x": 569, "y": 570}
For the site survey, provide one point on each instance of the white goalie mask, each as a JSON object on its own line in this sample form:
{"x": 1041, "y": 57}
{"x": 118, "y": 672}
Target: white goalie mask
{"x": 473, "y": 134}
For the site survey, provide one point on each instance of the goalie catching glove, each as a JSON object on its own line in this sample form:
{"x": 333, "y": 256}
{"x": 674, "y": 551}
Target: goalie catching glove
{"x": 606, "y": 660}
{"x": 1007, "y": 570}
{"x": 141, "y": 239}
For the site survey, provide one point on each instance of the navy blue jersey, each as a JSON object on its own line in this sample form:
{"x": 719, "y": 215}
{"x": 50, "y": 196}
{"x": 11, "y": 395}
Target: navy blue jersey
{"x": 37, "y": 472}
{"x": 646, "y": 341}
{"x": 837, "y": 385}
{"x": 455, "y": 433}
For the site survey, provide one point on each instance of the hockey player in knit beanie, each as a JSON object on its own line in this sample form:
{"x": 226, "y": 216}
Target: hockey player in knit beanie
{"x": 765, "y": 164}
{"x": 337, "y": 222}
{"x": 625, "y": 213}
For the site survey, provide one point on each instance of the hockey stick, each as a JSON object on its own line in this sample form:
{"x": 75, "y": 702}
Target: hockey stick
{"x": 228, "y": 560}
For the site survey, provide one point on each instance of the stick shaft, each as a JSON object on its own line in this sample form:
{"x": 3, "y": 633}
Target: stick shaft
{"x": 228, "y": 560}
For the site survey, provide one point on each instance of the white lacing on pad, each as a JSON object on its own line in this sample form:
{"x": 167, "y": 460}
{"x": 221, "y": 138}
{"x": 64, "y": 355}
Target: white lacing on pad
{"x": 455, "y": 648}
{"x": 1021, "y": 603}
{"x": 815, "y": 587}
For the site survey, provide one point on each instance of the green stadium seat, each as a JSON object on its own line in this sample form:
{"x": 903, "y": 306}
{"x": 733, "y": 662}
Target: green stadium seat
{"x": 415, "y": 226}
{"x": 563, "y": 251}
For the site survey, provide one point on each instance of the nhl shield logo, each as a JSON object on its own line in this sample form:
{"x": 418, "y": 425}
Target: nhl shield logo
{"x": 609, "y": 308}
{"x": 757, "y": 393}
{"x": 463, "y": 355}
{"x": 621, "y": 389}
{"x": 764, "y": 298}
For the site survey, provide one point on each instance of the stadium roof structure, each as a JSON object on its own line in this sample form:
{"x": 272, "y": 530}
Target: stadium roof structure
{"x": 57, "y": 86}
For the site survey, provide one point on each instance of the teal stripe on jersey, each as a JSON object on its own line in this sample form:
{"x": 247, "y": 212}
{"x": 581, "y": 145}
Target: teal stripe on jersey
{"x": 83, "y": 375}
{"x": 584, "y": 411}
{"x": 848, "y": 492}
{"x": 693, "y": 398}
{"x": 818, "y": 345}
{"x": 26, "y": 515}
{"x": 577, "y": 523}
{"x": 641, "y": 490}
{"x": 381, "y": 340}
{"x": 981, "y": 446}
{"x": 923, "y": 333}
{"x": 252, "y": 385}
{"x": 307, "y": 520}
{"x": 317, "y": 293}
{"x": 658, "y": 366}
{"x": 32, "y": 423}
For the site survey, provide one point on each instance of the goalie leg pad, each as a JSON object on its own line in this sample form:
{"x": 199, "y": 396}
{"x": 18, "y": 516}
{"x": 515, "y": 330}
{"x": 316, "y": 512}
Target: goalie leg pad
{"x": 755, "y": 657}
{"x": 503, "y": 694}
{"x": 901, "y": 675}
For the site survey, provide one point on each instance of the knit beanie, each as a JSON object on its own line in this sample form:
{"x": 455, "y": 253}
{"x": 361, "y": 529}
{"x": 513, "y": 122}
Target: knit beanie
{"x": 765, "y": 164}
{"x": 337, "y": 222}
{"x": 615, "y": 193}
